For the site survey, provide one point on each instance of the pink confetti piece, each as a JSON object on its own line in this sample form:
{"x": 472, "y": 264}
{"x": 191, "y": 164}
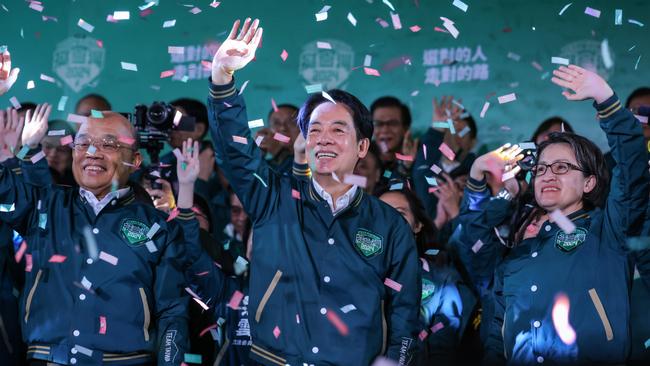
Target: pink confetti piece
{"x": 145, "y": 13}
{"x": 424, "y": 151}
{"x": 235, "y": 300}
{"x": 100, "y": 43}
{"x": 295, "y": 194}
{"x": 337, "y": 322}
{"x": 108, "y": 258}
{"x": 65, "y": 140}
{"x": 423, "y": 335}
{"x": 126, "y": 139}
{"x": 282, "y": 138}
{"x": 207, "y": 329}
{"x": 47, "y": 78}
{"x": 14, "y": 102}
{"x": 102, "y": 324}
{"x": 477, "y": 246}
{"x": 274, "y": 105}
{"x": 642, "y": 119}
{"x": 214, "y": 4}
{"x": 436, "y": 169}
{"x": 323, "y": 45}
{"x": 447, "y": 151}
{"x": 173, "y": 214}
{"x": 560, "y": 316}
{"x": 484, "y": 110}
{"x": 382, "y": 22}
{"x": 284, "y": 55}
{"x": 175, "y": 50}
{"x": 415, "y": 28}
{"x": 507, "y": 98}
{"x": 195, "y": 10}
{"x": 537, "y": 66}
{"x": 85, "y": 26}
{"x": 36, "y": 6}
{"x": 562, "y": 221}
{"x": 392, "y": 284}
{"x": 357, "y": 180}
{"x": 29, "y": 264}
{"x": 593, "y": 12}
{"x": 397, "y": 23}
{"x": 399, "y": 156}
{"x": 38, "y": 156}
{"x": 240, "y": 140}
{"x": 450, "y": 27}
{"x": 21, "y": 251}
{"x": 57, "y": 258}
{"x": 167, "y": 73}
{"x": 370, "y": 71}
{"x": 276, "y": 332}
{"x": 425, "y": 265}
{"x": 433, "y": 189}
{"x": 206, "y": 64}
{"x": 436, "y": 327}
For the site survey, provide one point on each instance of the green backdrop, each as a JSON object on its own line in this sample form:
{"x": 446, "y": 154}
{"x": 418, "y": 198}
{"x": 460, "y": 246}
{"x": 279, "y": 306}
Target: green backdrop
{"x": 516, "y": 38}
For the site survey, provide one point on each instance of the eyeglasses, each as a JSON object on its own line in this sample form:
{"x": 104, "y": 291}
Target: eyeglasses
{"x": 82, "y": 144}
{"x": 558, "y": 168}
{"x": 393, "y": 123}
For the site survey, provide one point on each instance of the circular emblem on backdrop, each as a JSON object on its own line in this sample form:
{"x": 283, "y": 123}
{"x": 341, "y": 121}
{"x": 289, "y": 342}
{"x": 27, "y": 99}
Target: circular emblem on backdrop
{"x": 78, "y": 61}
{"x": 591, "y": 55}
{"x": 330, "y": 67}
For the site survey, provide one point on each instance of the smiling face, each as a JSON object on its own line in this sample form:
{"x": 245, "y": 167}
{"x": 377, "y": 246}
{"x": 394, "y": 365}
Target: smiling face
{"x": 565, "y": 191}
{"x": 332, "y": 145}
{"x": 284, "y": 121}
{"x": 95, "y": 172}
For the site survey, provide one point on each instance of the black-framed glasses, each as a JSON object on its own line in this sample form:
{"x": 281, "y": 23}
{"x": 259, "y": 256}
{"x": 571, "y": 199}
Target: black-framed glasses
{"x": 558, "y": 168}
{"x": 393, "y": 123}
{"x": 83, "y": 143}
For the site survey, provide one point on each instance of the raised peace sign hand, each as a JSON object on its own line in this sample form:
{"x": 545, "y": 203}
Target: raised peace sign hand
{"x": 585, "y": 84}
{"x": 236, "y": 51}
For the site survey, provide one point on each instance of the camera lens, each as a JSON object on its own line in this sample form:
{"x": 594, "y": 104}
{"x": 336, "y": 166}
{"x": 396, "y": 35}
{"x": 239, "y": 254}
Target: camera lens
{"x": 158, "y": 114}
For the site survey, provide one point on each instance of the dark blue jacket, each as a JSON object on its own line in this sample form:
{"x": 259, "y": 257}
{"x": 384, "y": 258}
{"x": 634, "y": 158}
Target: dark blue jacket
{"x": 80, "y": 310}
{"x": 308, "y": 265}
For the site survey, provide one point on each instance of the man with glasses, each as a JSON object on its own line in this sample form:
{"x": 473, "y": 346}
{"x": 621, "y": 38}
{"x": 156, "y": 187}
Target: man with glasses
{"x": 104, "y": 273}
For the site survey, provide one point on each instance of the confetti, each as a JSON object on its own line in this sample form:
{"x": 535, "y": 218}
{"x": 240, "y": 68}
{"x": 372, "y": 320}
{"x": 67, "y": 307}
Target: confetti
{"x": 153, "y": 230}
{"x": 256, "y": 123}
{"x": 38, "y": 156}
{"x": 62, "y": 103}
{"x": 352, "y": 19}
{"x": 562, "y": 221}
{"x": 28, "y": 263}
{"x": 151, "y": 247}
{"x": 83, "y": 350}
{"x": 357, "y": 180}
{"x": 258, "y": 140}
{"x": 47, "y": 78}
{"x": 447, "y": 151}
{"x": 436, "y": 169}
{"x": 295, "y": 194}
{"x": 195, "y": 10}
{"x": 392, "y": 284}
{"x": 15, "y": 103}
{"x": 593, "y": 12}
{"x": 647, "y": 343}
{"x": 618, "y": 17}
{"x": 370, "y": 71}
{"x": 396, "y": 186}
{"x": 477, "y": 246}
{"x": 209, "y": 328}
{"x": 382, "y": 23}
{"x": 102, "y": 324}
{"x": 464, "y": 131}
{"x": 636, "y": 65}
{"x": 282, "y": 138}
{"x": 129, "y": 66}
{"x": 423, "y": 335}
{"x": 276, "y": 332}
{"x": 507, "y": 98}
{"x": 175, "y": 50}
{"x": 397, "y": 23}
{"x": 436, "y": 327}
{"x": 30, "y": 85}
{"x": 537, "y": 66}
{"x": 284, "y": 55}
{"x": 192, "y": 358}
{"x": 559, "y": 61}
{"x": 57, "y": 258}
{"x": 564, "y": 8}
{"x": 243, "y": 87}
{"x": 314, "y": 88}
{"x": 36, "y": 6}
{"x": 560, "y": 316}
{"x": 635, "y": 22}
{"x": 96, "y": 114}
{"x": 167, "y": 73}
{"x": 235, "y": 300}
{"x": 322, "y": 14}
{"x": 240, "y": 140}
{"x": 449, "y": 25}
{"x": 75, "y": 118}
{"x": 484, "y": 109}
{"x": 415, "y": 28}
{"x": 338, "y": 323}
{"x": 85, "y": 26}
{"x": 323, "y": 45}
{"x": 348, "y": 308}
{"x": 328, "y": 97}
{"x": 388, "y": 4}
{"x": 215, "y": 4}
{"x": 169, "y": 23}
{"x": 431, "y": 181}
{"x": 240, "y": 266}
{"x": 21, "y": 251}
{"x": 511, "y": 173}
{"x": 86, "y": 283}
{"x": 605, "y": 54}
{"x": 274, "y": 105}
{"x": 460, "y": 5}
{"x": 527, "y": 146}
{"x": 399, "y": 156}
{"x": 642, "y": 119}
{"x": 108, "y": 258}
{"x": 513, "y": 56}
{"x": 121, "y": 15}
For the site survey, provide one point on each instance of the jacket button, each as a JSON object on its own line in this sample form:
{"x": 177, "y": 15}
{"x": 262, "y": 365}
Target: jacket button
{"x": 95, "y": 231}
{"x": 330, "y": 241}
{"x": 323, "y": 311}
{"x": 73, "y": 351}
{"x": 326, "y": 279}
{"x": 533, "y": 288}
{"x": 82, "y": 297}
{"x": 89, "y": 261}
{"x": 534, "y": 254}
{"x": 537, "y": 324}
{"x": 547, "y": 228}
{"x": 75, "y": 333}
{"x": 540, "y": 359}
{"x": 314, "y": 350}
{"x": 73, "y": 360}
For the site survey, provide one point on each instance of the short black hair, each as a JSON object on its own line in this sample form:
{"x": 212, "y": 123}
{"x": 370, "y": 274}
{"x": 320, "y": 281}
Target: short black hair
{"x": 637, "y": 93}
{"x": 285, "y": 105}
{"x": 548, "y": 123}
{"x": 360, "y": 114}
{"x": 194, "y": 108}
{"x": 590, "y": 159}
{"x": 392, "y": 102}
{"x": 101, "y": 98}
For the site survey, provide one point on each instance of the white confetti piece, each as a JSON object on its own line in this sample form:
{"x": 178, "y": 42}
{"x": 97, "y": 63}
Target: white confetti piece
{"x": 348, "y": 308}
{"x": 129, "y": 66}
{"x": 397, "y": 23}
{"x": 153, "y": 230}
{"x": 121, "y": 15}
{"x": 618, "y": 17}
{"x": 527, "y": 145}
{"x": 564, "y": 8}
{"x": 352, "y": 19}
{"x": 30, "y": 85}
{"x": 460, "y": 5}
{"x": 256, "y": 123}
{"x": 83, "y": 350}
{"x": 14, "y": 102}
{"x": 243, "y": 86}
{"x": 507, "y": 98}
{"x": 151, "y": 247}
{"x": 47, "y": 78}
{"x": 605, "y": 54}
{"x": 328, "y": 97}
{"x": 75, "y": 118}
{"x": 85, "y": 26}
{"x": 431, "y": 181}
{"x": 593, "y": 12}
{"x": 562, "y": 221}
{"x": 240, "y": 266}
{"x": 464, "y": 131}
{"x": 314, "y": 88}
{"x": 435, "y": 169}
{"x": 108, "y": 258}
{"x": 367, "y": 61}
{"x": 175, "y": 50}
{"x": 484, "y": 110}
{"x": 514, "y": 56}
{"x": 388, "y": 4}
{"x": 323, "y": 45}
{"x": 86, "y": 283}
{"x": 169, "y": 23}
{"x": 5, "y": 207}
{"x": 62, "y": 103}
{"x": 559, "y": 61}
{"x": 357, "y": 180}
{"x": 321, "y": 16}
{"x": 642, "y": 119}
{"x": 477, "y": 246}
{"x": 56, "y": 133}
{"x": 635, "y": 22}
{"x": 259, "y": 140}
{"x": 449, "y": 25}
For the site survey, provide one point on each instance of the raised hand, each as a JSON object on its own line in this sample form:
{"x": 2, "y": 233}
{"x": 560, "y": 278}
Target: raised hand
{"x": 409, "y": 147}
{"x": 163, "y": 199}
{"x": 8, "y": 76}
{"x": 10, "y": 129}
{"x": 583, "y": 83}
{"x": 36, "y": 125}
{"x": 496, "y": 162}
{"x": 446, "y": 109}
{"x": 236, "y": 51}
{"x": 299, "y": 155}
{"x": 187, "y": 168}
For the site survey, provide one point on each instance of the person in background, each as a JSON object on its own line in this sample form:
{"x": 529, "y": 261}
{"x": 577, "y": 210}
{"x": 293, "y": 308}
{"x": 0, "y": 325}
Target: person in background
{"x": 552, "y": 124}
{"x": 282, "y": 121}
{"x": 392, "y": 134}
{"x": 371, "y": 168}
{"x": 91, "y": 102}
{"x": 59, "y": 157}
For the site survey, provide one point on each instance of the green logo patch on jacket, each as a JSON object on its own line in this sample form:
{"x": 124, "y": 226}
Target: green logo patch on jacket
{"x": 134, "y": 231}
{"x": 428, "y": 288}
{"x": 567, "y": 242}
{"x": 368, "y": 243}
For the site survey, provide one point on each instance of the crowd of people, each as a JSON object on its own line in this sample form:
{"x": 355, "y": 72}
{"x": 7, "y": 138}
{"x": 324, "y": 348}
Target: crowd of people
{"x": 332, "y": 236}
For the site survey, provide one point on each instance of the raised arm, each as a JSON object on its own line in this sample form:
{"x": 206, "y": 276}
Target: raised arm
{"x": 8, "y": 76}
{"x": 628, "y": 195}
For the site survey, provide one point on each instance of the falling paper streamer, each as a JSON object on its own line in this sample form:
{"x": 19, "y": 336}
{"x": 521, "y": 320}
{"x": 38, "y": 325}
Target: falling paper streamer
{"x": 21, "y": 251}
{"x": 129, "y": 66}
{"x": 282, "y": 138}
{"x": 151, "y": 247}
{"x": 606, "y": 55}
{"x": 564, "y": 8}
{"x": 75, "y": 118}
{"x": 108, "y": 258}
{"x": 397, "y": 23}
{"x": 618, "y": 16}
{"x": 560, "y": 315}
{"x": 240, "y": 140}
{"x": 314, "y": 88}
{"x": 85, "y": 26}
{"x": 399, "y": 156}
{"x": 256, "y": 123}
{"x": 348, "y": 308}
{"x": 388, "y": 4}
{"x": 153, "y": 230}
{"x": 507, "y": 98}
{"x": 435, "y": 169}
{"x": 477, "y": 246}
{"x": 484, "y": 110}
{"x": 15, "y": 103}
{"x": 559, "y": 61}
{"x": 328, "y": 97}
{"x": 38, "y": 156}
{"x": 323, "y": 45}
{"x": 57, "y": 258}
{"x": 338, "y": 323}
{"x": 562, "y": 221}
{"x": 425, "y": 265}
{"x": 464, "y": 131}
{"x": 243, "y": 87}
{"x": 284, "y": 55}
{"x": 357, "y": 180}
{"x": 447, "y": 151}
{"x": 235, "y": 300}
{"x": 352, "y": 19}
{"x": 370, "y": 71}
{"x": 436, "y": 327}
{"x": 169, "y": 23}
{"x": 635, "y": 22}
{"x": 392, "y": 284}
{"x": 47, "y": 78}
{"x": 62, "y": 103}
{"x": 460, "y": 5}
{"x": 201, "y": 303}
{"x": 449, "y": 25}
{"x": 593, "y": 12}
{"x": 86, "y": 283}
{"x": 167, "y": 73}
{"x": 415, "y": 28}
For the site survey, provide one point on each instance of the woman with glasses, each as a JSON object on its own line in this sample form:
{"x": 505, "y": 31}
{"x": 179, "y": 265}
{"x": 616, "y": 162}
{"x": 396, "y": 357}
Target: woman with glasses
{"x": 556, "y": 283}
